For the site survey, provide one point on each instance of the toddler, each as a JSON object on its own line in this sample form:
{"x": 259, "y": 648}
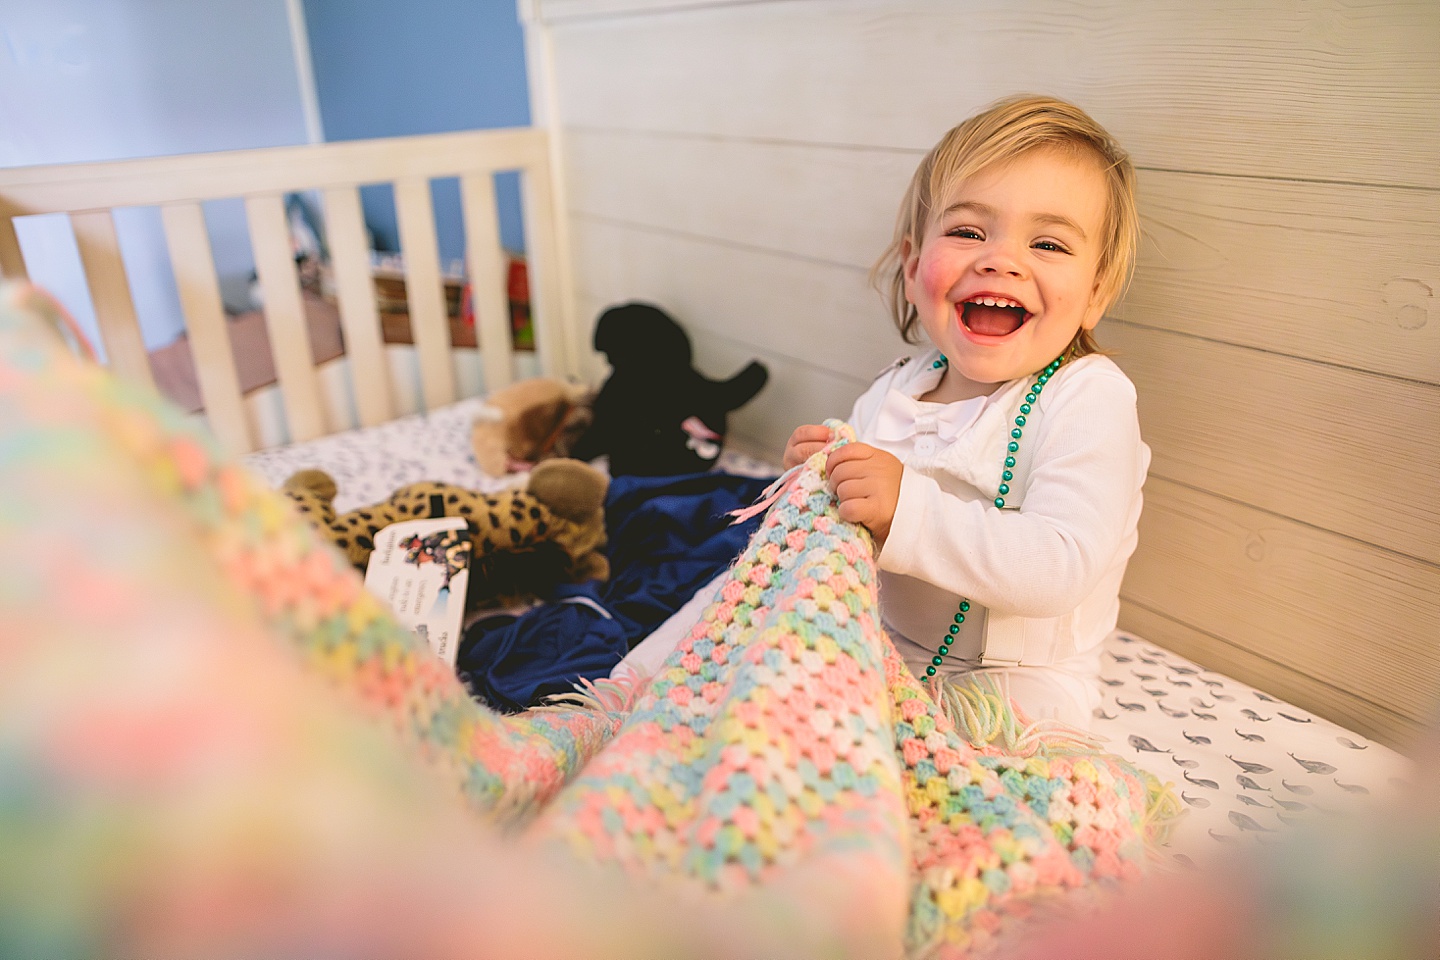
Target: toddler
{"x": 1000, "y": 471}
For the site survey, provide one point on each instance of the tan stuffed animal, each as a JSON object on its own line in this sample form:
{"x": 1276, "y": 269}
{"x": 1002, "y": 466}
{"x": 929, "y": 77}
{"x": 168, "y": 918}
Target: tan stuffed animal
{"x": 526, "y": 541}
{"x": 527, "y": 422}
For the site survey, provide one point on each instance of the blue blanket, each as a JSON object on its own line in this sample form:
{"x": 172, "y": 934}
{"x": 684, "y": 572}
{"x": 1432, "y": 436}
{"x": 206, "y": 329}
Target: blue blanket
{"x": 668, "y": 537}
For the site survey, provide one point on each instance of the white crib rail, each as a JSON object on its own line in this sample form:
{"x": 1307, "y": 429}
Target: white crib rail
{"x": 178, "y": 185}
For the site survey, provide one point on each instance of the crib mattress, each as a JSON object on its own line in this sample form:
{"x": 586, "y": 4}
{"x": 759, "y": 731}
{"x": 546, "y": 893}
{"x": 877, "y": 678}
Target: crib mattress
{"x": 371, "y": 463}
{"x": 1246, "y": 766}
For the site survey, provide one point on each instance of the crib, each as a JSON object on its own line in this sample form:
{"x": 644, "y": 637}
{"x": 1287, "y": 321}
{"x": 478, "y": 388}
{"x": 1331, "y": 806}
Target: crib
{"x": 315, "y": 400}
{"x": 1259, "y": 577}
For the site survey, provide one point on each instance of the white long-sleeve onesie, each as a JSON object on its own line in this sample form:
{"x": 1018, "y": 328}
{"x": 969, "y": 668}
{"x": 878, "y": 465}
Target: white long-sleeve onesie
{"x": 1042, "y": 575}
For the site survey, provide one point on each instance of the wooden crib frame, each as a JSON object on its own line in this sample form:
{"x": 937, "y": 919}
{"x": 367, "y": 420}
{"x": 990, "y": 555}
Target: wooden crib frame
{"x": 178, "y": 185}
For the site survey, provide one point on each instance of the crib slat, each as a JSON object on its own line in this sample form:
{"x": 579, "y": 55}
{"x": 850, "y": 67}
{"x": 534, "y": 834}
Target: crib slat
{"x": 12, "y": 261}
{"x": 425, "y": 290}
{"x": 110, "y": 293}
{"x": 485, "y": 262}
{"x": 285, "y": 316}
{"x": 199, "y": 288}
{"x": 354, "y": 288}
{"x": 547, "y": 299}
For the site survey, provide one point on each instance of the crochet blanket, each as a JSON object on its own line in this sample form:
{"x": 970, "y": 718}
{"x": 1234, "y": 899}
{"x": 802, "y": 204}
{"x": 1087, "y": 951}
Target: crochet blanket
{"x": 214, "y": 742}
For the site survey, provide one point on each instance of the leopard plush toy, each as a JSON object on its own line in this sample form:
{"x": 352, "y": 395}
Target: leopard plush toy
{"x": 526, "y": 541}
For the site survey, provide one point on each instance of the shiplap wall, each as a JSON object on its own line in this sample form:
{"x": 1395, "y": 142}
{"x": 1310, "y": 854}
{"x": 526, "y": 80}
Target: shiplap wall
{"x": 740, "y": 163}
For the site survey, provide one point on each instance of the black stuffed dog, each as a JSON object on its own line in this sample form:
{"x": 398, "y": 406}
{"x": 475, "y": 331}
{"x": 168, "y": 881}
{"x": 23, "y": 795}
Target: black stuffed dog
{"x": 656, "y": 414}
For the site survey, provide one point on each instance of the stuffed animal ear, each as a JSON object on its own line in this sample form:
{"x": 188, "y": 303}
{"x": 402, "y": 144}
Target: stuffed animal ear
{"x": 641, "y": 334}
{"x": 571, "y": 489}
{"x": 316, "y": 483}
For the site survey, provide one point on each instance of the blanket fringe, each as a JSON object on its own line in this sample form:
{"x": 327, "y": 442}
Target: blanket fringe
{"x": 612, "y": 697}
{"x": 768, "y": 497}
{"x": 1162, "y": 811}
{"x": 983, "y": 713}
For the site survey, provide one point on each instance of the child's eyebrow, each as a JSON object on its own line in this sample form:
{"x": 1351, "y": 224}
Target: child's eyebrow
{"x": 1060, "y": 221}
{"x": 985, "y": 210}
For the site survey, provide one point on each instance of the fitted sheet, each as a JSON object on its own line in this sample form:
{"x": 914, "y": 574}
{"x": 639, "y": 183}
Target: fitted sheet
{"x": 370, "y": 463}
{"x": 1246, "y": 767}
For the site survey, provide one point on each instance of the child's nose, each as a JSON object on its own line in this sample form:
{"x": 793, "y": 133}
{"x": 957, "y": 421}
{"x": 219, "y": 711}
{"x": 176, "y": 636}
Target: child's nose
{"x": 999, "y": 262}
{"x": 998, "y": 258}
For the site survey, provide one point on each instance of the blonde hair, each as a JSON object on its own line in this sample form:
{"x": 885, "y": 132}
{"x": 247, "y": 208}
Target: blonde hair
{"x": 999, "y": 134}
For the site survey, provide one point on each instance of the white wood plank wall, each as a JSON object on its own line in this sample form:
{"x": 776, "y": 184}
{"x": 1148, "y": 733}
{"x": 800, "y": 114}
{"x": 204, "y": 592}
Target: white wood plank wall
{"x": 740, "y": 163}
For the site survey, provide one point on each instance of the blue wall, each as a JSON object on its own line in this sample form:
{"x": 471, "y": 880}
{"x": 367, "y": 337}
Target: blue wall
{"x": 111, "y": 79}
{"x": 387, "y": 69}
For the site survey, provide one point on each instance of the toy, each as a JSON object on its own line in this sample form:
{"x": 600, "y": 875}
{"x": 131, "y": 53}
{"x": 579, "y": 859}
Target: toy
{"x": 526, "y": 542}
{"x": 656, "y": 414}
{"x": 527, "y": 422}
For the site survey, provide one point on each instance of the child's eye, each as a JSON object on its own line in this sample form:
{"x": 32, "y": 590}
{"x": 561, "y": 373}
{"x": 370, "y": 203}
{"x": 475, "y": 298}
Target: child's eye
{"x": 968, "y": 233}
{"x": 1050, "y": 245}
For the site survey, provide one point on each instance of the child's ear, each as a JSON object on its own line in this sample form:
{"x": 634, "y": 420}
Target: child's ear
{"x": 1095, "y": 309}
{"x": 909, "y": 264}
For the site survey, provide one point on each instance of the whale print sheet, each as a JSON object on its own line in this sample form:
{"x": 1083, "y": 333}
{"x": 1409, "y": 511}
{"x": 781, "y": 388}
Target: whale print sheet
{"x": 1246, "y": 766}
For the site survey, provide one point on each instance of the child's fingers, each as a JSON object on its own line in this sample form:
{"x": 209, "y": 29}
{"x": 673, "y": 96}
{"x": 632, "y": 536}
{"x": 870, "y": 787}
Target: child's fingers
{"x": 811, "y": 432}
{"x": 804, "y": 443}
{"x": 842, "y": 469}
{"x": 866, "y": 481}
{"x": 867, "y": 510}
{"x": 850, "y": 453}
{"x": 872, "y": 511}
{"x": 855, "y": 488}
{"x": 798, "y": 455}
{"x": 857, "y": 511}
{"x": 798, "y": 452}
{"x": 804, "y": 451}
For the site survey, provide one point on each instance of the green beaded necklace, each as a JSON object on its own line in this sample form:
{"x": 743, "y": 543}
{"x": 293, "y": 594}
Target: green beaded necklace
{"x": 1011, "y": 449}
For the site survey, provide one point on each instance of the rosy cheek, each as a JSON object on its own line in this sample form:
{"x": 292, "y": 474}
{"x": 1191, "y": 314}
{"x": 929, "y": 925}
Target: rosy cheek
{"x": 933, "y": 276}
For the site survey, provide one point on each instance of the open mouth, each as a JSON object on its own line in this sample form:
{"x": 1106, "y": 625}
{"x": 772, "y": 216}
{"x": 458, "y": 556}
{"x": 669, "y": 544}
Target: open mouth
{"x": 992, "y": 316}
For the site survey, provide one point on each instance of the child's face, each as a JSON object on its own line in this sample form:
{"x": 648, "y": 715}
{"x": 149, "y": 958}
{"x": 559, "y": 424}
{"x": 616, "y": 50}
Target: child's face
{"x": 1026, "y": 234}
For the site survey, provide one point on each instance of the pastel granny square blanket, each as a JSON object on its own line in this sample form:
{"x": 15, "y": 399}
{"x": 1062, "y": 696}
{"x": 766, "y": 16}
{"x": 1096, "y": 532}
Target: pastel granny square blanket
{"x": 213, "y": 742}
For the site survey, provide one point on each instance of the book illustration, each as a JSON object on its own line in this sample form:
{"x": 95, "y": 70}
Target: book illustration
{"x": 451, "y": 556}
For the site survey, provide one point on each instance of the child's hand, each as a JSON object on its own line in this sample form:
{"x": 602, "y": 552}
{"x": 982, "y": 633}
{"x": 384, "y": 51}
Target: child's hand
{"x": 804, "y": 443}
{"x": 867, "y": 482}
